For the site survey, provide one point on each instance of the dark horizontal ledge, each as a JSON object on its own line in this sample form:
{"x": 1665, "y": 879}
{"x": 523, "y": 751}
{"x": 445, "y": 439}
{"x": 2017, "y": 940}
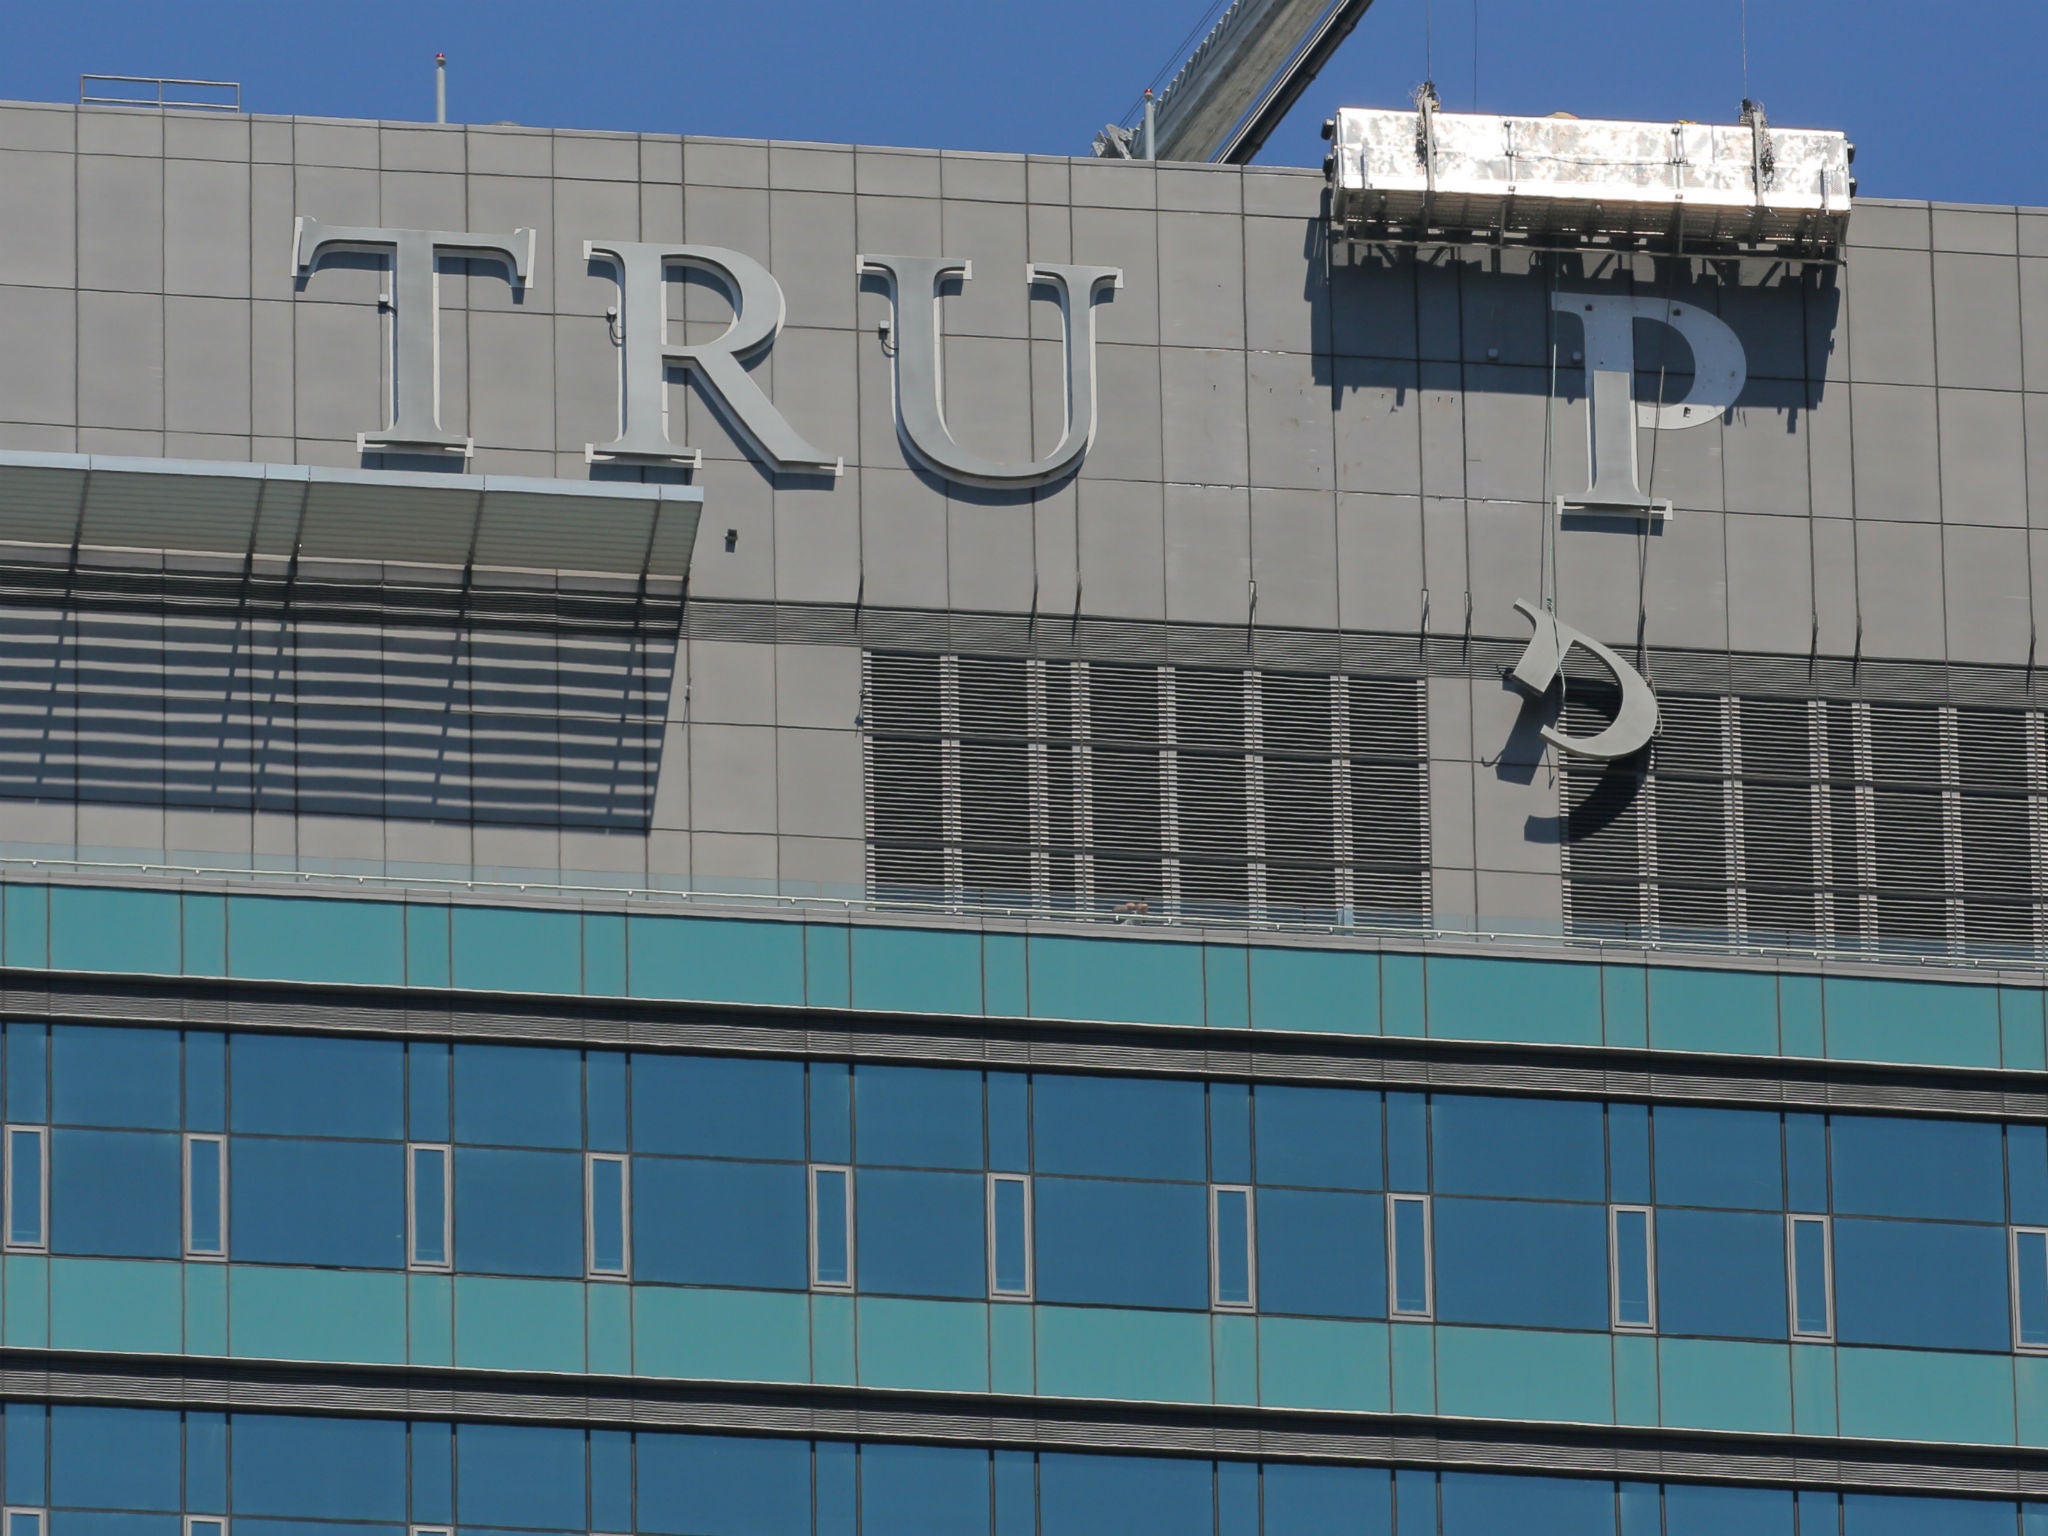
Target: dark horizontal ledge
{"x": 1024, "y": 1423}
{"x": 1024, "y": 1044}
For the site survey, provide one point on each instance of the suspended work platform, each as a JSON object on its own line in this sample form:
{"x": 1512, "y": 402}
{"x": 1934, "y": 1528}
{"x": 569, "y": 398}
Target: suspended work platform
{"x": 1427, "y": 174}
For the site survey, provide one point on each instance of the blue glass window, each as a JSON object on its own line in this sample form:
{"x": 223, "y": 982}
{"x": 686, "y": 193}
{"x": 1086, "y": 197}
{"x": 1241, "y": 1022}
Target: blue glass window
{"x": 1628, "y": 1154}
{"x": 1410, "y": 1281}
{"x": 2030, "y": 1285}
{"x": 430, "y": 1213}
{"x": 1699, "y": 1510}
{"x": 1408, "y": 1142}
{"x": 910, "y": 1488}
{"x": 1121, "y": 1243}
{"x": 518, "y": 1213}
{"x": 1319, "y": 1138}
{"x": 28, "y": 1176}
{"x": 712, "y": 1485}
{"x": 518, "y": 1096}
{"x": 206, "y": 1080}
{"x": 515, "y": 1475}
{"x": 918, "y": 1117}
{"x": 1486, "y": 1504}
{"x": 28, "y": 1071}
{"x": 1886, "y": 1514}
{"x": 1634, "y": 1262}
{"x": 307, "y": 1085}
{"x": 1806, "y": 1162}
{"x": 715, "y": 1106}
{"x": 831, "y": 1228}
{"x": 339, "y": 1469}
{"x": 1120, "y": 1127}
{"x": 1719, "y": 1157}
{"x": 1127, "y": 1495}
{"x": 206, "y": 1173}
{"x": 830, "y": 1088}
{"x": 1010, "y": 1231}
{"x": 27, "y": 1433}
{"x": 1945, "y": 1169}
{"x": 1525, "y": 1263}
{"x": 1813, "y": 1296}
{"x": 1009, "y": 1122}
{"x": 1552, "y": 1149}
{"x": 1234, "y": 1280}
{"x": 1230, "y": 1133}
{"x": 116, "y": 1458}
{"x": 115, "y": 1193}
{"x": 921, "y": 1234}
{"x": 125, "y": 1078}
{"x": 2026, "y": 1161}
{"x": 605, "y": 1095}
{"x": 429, "y": 1095}
{"x": 334, "y": 1203}
{"x": 1937, "y": 1285}
{"x": 608, "y": 1216}
{"x": 1721, "y": 1274}
{"x": 1321, "y": 1501}
{"x": 704, "y": 1221}
{"x": 1322, "y": 1253}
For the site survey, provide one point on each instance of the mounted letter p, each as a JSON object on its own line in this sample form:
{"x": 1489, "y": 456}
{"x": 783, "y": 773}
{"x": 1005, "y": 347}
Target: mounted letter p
{"x": 1634, "y": 723}
{"x": 914, "y": 283}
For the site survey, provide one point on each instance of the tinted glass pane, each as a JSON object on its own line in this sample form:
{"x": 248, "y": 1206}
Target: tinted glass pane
{"x": 830, "y": 1246}
{"x": 1725, "y": 1157}
{"x": 1233, "y": 1248}
{"x": 300, "y": 1085}
{"x": 1327, "y": 1138}
{"x": 924, "y": 1488}
{"x": 115, "y": 1458}
{"x": 1411, "y": 1256}
{"x": 1481, "y": 1504}
{"x": 24, "y": 1187}
{"x": 700, "y": 1221}
{"x": 1123, "y": 1244}
{"x": 518, "y": 1213}
{"x": 1230, "y": 1133}
{"x": 1628, "y": 1154}
{"x": 1524, "y": 1263}
{"x": 1322, "y": 1253}
{"x": 114, "y": 1077}
{"x": 2026, "y": 1162}
{"x": 1013, "y": 1275}
{"x": 1810, "y": 1276}
{"x": 429, "y": 1096}
{"x": 430, "y": 1205}
{"x": 1408, "y": 1142}
{"x": 1322, "y": 1501}
{"x": 1691, "y": 1510}
{"x": 1878, "y": 1514}
{"x": 116, "y": 1193}
{"x": 513, "y": 1475}
{"x": 1130, "y": 1495}
{"x": 518, "y": 1095}
{"x": 607, "y": 1216}
{"x": 1009, "y": 1122}
{"x": 1542, "y": 1148}
{"x": 711, "y": 1485}
{"x": 1126, "y": 1128}
{"x": 1947, "y": 1169}
{"x": 921, "y": 1234}
{"x": 919, "y": 1117}
{"x": 1632, "y": 1269}
{"x": 1721, "y": 1274}
{"x": 317, "y": 1202}
{"x": 1806, "y": 1162}
{"x": 28, "y": 1071}
{"x": 604, "y": 1094}
{"x": 206, "y": 1081}
{"x": 830, "y": 1086}
{"x": 203, "y": 1183}
{"x": 1936, "y": 1285}
{"x": 344, "y": 1469}
{"x": 2031, "y": 1277}
{"x": 713, "y": 1106}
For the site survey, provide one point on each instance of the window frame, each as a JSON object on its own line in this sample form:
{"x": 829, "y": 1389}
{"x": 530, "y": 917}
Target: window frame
{"x": 2012, "y": 1256}
{"x": 219, "y": 1524}
{"x": 995, "y": 1290}
{"x": 1251, "y": 1249}
{"x": 1394, "y": 1311}
{"x": 1614, "y": 1215}
{"x": 845, "y": 1171}
{"x": 590, "y": 1268}
{"x": 42, "y": 1241}
{"x": 193, "y": 1251}
{"x": 40, "y": 1513}
{"x": 1793, "y": 1221}
{"x": 413, "y": 1262}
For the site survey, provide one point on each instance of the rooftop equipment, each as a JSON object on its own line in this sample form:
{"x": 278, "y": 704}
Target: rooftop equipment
{"x": 1428, "y": 175}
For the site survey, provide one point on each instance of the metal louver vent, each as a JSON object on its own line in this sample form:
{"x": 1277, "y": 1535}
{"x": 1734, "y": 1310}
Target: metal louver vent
{"x": 1849, "y": 825}
{"x": 1124, "y": 788}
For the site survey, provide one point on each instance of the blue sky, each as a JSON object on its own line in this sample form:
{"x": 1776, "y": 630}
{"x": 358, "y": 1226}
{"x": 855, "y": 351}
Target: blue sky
{"x": 1943, "y": 97}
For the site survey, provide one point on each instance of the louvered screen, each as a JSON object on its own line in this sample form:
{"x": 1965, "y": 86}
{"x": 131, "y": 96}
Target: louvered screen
{"x": 1157, "y": 789}
{"x": 1861, "y": 826}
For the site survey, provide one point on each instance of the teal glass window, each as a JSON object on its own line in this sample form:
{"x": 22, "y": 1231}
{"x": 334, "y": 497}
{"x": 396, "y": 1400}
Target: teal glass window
{"x": 28, "y": 1187}
{"x": 607, "y": 1193}
{"x": 206, "y": 1187}
{"x": 2030, "y": 1288}
{"x": 1633, "y": 1244}
{"x": 1233, "y": 1276}
{"x": 428, "y": 1207}
{"x": 1813, "y": 1312}
{"x": 832, "y": 1228}
{"x": 1410, "y": 1283}
{"x": 1009, "y": 1236}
